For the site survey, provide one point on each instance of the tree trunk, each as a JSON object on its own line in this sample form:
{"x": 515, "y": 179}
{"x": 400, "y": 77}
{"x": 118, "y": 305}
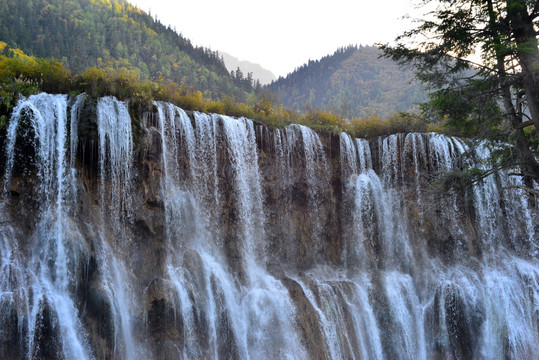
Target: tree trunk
{"x": 528, "y": 163}
{"x": 527, "y": 52}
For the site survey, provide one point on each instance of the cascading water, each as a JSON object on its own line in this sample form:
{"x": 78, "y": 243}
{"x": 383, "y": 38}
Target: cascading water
{"x": 45, "y": 272}
{"x": 115, "y": 157}
{"x": 259, "y": 311}
{"x": 208, "y": 237}
{"x": 486, "y": 297}
{"x": 51, "y": 269}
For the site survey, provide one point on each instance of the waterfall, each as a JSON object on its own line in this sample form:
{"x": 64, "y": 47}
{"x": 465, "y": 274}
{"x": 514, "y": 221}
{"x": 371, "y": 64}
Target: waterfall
{"x": 259, "y": 311}
{"x": 115, "y": 154}
{"x": 405, "y": 317}
{"x": 45, "y": 279}
{"x": 115, "y": 157}
{"x": 184, "y": 235}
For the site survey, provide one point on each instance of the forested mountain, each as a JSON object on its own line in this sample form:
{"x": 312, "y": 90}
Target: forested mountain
{"x": 352, "y": 82}
{"x": 258, "y": 72}
{"x": 114, "y": 33}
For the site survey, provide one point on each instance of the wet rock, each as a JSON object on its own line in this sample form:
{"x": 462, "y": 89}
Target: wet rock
{"x": 13, "y": 343}
{"x": 47, "y": 339}
{"x": 308, "y": 323}
{"x": 189, "y": 262}
{"x": 455, "y": 320}
{"x": 100, "y": 320}
{"x": 165, "y": 326}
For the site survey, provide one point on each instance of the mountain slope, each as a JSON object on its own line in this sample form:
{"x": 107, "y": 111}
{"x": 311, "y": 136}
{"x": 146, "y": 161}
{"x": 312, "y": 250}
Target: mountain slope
{"x": 352, "y": 82}
{"x": 113, "y": 33}
{"x": 259, "y": 73}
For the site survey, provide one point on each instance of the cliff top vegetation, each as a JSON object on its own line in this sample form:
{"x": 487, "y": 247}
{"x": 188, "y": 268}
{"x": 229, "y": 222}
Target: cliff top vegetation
{"x": 22, "y": 74}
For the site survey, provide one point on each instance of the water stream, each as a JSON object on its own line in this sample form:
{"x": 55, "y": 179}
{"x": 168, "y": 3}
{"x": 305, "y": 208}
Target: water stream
{"x": 212, "y": 237}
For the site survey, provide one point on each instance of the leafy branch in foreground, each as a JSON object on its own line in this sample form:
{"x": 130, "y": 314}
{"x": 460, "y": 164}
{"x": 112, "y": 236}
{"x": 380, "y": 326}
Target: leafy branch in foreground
{"x": 480, "y": 60}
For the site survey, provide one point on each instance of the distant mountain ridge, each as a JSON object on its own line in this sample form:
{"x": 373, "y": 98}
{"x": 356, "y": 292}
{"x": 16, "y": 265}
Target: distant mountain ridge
{"x": 265, "y": 76}
{"x": 353, "y": 82}
{"x": 114, "y": 34}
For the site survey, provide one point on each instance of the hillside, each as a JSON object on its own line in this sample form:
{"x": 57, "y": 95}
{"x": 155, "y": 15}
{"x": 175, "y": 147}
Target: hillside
{"x": 114, "y": 33}
{"x": 265, "y": 76}
{"x": 352, "y": 82}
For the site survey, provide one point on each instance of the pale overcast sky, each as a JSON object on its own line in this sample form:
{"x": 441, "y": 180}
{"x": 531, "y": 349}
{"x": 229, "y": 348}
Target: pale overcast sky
{"x": 283, "y": 34}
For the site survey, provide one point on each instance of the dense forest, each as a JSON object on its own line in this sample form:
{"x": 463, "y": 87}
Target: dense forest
{"x": 352, "y": 82}
{"x": 115, "y": 34}
{"x": 110, "y": 47}
{"x": 117, "y": 37}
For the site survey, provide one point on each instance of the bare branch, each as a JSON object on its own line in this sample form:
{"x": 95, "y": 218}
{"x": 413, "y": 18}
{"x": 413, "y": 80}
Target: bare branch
{"x": 523, "y": 125}
{"x": 522, "y": 187}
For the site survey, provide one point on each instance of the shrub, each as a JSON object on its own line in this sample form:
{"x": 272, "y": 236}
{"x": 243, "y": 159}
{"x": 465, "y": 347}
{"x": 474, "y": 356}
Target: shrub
{"x": 26, "y": 75}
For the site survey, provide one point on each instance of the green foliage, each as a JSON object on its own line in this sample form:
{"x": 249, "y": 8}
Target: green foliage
{"x": 26, "y": 75}
{"x": 352, "y": 82}
{"x": 496, "y": 98}
{"x": 532, "y": 137}
{"x": 468, "y": 110}
{"x": 115, "y": 35}
{"x": 109, "y": 47}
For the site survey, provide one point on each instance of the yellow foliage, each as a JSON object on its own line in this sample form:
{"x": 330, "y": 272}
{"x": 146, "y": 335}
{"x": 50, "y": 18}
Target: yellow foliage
{"x": 264, "y": 107}
{"x": 194, "y": 101}
{"x": 434, "y": 128}
{"x": 369, "y": 127}
{"x": 397, "y": 123}
{"x": 18, "y": 53}
{"x": 26, "y": 74}
{"x": 324, "y": 120}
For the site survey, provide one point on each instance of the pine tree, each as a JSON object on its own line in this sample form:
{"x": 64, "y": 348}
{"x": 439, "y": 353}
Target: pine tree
{"x": 496, "y": 97}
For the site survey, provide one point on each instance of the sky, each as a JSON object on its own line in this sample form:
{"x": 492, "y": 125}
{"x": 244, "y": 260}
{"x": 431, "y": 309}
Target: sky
{"x": 281, "y": 35}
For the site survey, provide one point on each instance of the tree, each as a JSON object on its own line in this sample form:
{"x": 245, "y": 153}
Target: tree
{"x": 496, "y": 96}
{"x": 82, "y": 31}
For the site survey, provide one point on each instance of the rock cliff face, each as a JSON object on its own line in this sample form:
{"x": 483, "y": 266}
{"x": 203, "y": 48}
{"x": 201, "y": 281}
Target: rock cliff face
{"x": 130, "y": 234}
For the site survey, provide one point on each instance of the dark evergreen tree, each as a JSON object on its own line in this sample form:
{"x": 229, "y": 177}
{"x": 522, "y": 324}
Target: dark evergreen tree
{"x": 496, "y": 97}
